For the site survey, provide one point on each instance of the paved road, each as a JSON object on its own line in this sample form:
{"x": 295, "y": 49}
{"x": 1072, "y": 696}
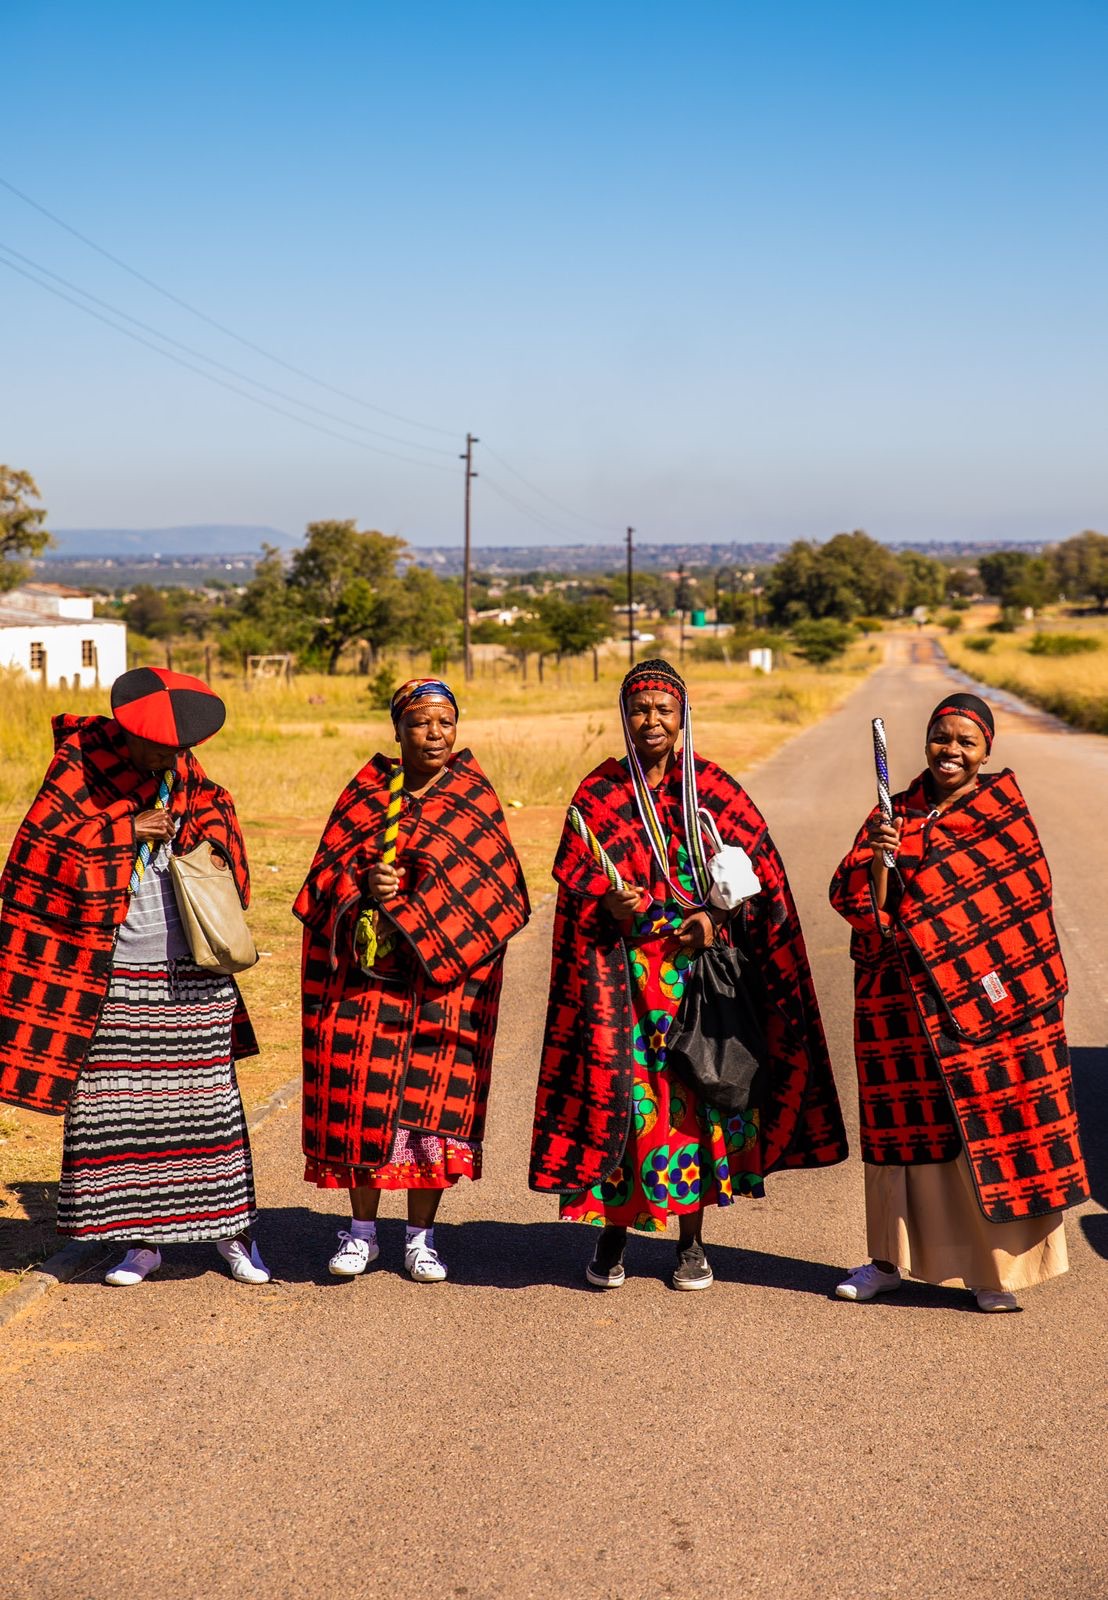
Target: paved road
{"x": 512, "y": 1434}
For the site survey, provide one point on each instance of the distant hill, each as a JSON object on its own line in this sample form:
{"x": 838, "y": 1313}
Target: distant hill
{"x": 203, "y": 539}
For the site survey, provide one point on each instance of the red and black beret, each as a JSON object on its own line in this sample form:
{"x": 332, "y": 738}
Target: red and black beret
{"x": 166, "y": 707}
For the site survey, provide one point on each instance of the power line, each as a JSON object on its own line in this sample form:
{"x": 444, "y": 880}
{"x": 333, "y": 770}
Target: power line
{"x": 534, "y": 488}
{"x": 523, "y": 509}
{"x": 210, "y": 377}
{"x": 200, "y": 355}
{"x": 221, "y": 327}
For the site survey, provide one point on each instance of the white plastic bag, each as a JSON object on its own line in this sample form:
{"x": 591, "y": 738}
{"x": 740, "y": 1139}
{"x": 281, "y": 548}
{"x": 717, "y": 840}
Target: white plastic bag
{"x": 730, "y": 869}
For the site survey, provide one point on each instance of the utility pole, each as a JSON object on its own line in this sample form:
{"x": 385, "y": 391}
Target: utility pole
{"x": 471, "y": 440}
{"x": 630, "y": 613}
{"x": 681, "y": 606}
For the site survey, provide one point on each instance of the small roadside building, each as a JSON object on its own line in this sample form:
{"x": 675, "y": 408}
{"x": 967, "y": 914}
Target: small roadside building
{"x": 49, "y": 634}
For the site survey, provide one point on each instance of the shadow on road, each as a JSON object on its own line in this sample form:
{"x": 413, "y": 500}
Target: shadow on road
{"x": 297, "y": 1243}
{"x": 26, "y": 1241}
{"x": 1090, "y": 1077}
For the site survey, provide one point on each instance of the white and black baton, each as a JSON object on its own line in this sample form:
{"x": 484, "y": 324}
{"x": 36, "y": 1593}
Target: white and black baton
{"x": 884, "y": 796}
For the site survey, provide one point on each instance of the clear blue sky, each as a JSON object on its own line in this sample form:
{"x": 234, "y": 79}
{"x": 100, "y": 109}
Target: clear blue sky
{"x": 717, "y": 270}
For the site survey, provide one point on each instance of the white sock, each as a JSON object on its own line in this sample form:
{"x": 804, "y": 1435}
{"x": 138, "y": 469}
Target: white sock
{"x": 419, "y": 1238}
{"x": 364, "y": 1230}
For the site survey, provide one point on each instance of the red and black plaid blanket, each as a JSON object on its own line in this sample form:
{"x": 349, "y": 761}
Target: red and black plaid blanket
{"x": 413, "y": 1048}
{"x": 65, "y": 892}
{"x": 959, "y": 990}
{"x": 583, "y": 1104}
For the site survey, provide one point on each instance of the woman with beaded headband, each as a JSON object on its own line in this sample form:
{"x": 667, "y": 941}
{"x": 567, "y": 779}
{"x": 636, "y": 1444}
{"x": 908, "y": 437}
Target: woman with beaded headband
{"x": 622, "y": 1141}
{"x": 969, "y": 1131}
{"x": 399, "y": 1024}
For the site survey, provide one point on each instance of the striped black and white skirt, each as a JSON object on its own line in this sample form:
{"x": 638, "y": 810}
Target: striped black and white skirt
{"x": 156, "y": 1146}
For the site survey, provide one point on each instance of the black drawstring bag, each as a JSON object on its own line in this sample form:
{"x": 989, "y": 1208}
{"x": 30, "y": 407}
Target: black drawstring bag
{"x": 716, "y": 1044}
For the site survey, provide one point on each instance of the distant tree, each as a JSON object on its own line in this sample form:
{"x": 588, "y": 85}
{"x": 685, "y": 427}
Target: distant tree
{"x": 1016, "y": 579}
{"x": 575, "y": 625}
{"x": 345, "y": 581}
{"x": 427, "y": 611}
{"x": 849, "y": 576}
{"x": 527, "y": 637}
{"x": 1080, "y": 567}
{"x": 22, "y": 530}
{"x": 148, "y": 612}
{"x": 823, "y": 639}
{"x": 925, "y": 580}
{"x": 961, "y": 584}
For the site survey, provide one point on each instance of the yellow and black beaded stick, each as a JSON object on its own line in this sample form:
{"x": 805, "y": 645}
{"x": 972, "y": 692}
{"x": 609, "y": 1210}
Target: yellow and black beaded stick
{"x": 368, "y": 942}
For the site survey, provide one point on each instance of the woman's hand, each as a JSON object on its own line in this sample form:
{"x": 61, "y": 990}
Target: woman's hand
{"x": 153, "y": 826}
{"x": 622, "y": 903}
{"x": 882, "y": 836}
{"x": 383, "y": 881}
{"x": 697, "y": 931}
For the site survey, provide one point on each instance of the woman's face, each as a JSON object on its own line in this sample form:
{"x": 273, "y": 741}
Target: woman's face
{"x": 427, "y": 733}
{"x": 654, "y": 718}
{"x": 955, "y": 749}
{"x": 150, "y": 757}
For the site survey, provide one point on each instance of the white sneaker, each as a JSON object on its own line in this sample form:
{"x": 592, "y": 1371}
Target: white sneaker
{"x": 353, "y": 1256}
{"x": 245, "y": 1263}
{"x": 423, "y": 1264}
{"x": 865, "y": 1283}
{"x": 995, "y": 1300}
{"x": 137, "y": 1264}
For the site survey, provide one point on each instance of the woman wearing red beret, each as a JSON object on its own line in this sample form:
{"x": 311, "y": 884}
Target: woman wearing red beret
{"x": 103, "y": 1013}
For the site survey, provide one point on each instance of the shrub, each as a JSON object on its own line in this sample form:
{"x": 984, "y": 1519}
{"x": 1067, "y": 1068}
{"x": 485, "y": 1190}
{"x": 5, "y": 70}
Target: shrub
{"x": 1061, "y": 644}
{"x": 950, "y": 622}
{"x": 820, "y": 641}
{"x": 382, "y": 687}
{"x": 983, "y": 643}
{"x": 1005, "y": 623}
{"x": 868, "y": 624}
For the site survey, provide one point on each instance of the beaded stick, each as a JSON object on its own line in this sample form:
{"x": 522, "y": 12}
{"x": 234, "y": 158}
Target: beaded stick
{"x": 884, "y": 797}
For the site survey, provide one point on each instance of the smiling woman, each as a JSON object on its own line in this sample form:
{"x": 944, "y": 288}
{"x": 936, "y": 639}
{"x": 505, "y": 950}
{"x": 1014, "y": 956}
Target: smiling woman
{"x": 969, "y": 1131}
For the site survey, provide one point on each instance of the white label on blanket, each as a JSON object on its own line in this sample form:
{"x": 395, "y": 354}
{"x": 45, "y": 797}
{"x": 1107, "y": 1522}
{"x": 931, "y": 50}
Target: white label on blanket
{"x": 994, "y": 988}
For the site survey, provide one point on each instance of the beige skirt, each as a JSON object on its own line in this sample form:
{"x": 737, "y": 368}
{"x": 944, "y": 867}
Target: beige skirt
{"x": 927, "y": 1221}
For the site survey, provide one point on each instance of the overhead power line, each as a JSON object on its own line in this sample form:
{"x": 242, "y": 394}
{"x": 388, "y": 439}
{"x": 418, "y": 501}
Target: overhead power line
{"x": 221, "y": 327}
{"x": 542, "y": 494}
{"x": 200, "y": 355}
{"x": 210, "y": 377}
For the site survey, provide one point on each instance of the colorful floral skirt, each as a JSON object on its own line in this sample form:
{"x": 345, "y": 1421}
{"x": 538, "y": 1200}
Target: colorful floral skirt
{"x": 680, "y": 1154}
{"x": 416, "y": 1161}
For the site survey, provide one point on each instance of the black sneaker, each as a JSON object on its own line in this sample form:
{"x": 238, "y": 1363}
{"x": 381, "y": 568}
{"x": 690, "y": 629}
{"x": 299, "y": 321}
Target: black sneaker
{"x": 693, "y": 1271}
{"x": 605, "y": 1270}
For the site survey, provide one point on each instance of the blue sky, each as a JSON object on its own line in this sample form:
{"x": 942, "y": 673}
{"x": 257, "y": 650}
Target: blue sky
{"x": 718, "y": 270}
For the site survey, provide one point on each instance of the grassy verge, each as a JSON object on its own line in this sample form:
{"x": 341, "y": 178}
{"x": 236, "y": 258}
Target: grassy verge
{"x": 1072, "y": 686}
{"x": 285, "y": 754}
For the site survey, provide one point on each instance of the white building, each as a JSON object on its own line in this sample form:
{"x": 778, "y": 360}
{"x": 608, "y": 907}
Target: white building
{"x": 49, "y": 634}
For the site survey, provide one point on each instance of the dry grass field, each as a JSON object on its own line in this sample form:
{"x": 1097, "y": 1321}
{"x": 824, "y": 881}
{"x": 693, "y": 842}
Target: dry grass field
{"x": 286, "y": 752}
{"x": 1073, "y": 687}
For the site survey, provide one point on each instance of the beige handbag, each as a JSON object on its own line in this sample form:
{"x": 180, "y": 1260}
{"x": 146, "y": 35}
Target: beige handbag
{"x": 211, "y": 911}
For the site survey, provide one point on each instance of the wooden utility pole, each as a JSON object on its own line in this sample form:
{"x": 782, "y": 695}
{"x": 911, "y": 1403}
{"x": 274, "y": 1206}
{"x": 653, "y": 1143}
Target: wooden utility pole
{"x": 467, "y": 654}
{"x": 630, "y": 599}
{"x": 681, "y": 606}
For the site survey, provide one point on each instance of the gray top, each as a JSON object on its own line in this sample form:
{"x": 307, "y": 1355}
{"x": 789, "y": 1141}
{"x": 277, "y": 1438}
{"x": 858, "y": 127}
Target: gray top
{"x": 152, "y": 933}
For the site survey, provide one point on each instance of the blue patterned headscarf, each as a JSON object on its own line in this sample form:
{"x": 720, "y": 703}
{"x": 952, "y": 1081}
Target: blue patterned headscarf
{"x": 419, "y": 689}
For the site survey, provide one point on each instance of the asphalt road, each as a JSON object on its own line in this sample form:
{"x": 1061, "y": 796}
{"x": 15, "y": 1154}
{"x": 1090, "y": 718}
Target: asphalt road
{"x": 513, "y": 1434}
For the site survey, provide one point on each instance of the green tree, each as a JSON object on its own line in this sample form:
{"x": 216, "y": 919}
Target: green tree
{"x": 345, "y": 581}
{"x": 925, "y": 580}
{"x": 1080, "y": 567}
{"x": 575, "y": 625}
{"x": 822, "y": 639}
{"x": 22, "y": 530}
{"x": 1016, "y": 579}
{"x": 849, "y": 576}
{"x": 148, "y": 612}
